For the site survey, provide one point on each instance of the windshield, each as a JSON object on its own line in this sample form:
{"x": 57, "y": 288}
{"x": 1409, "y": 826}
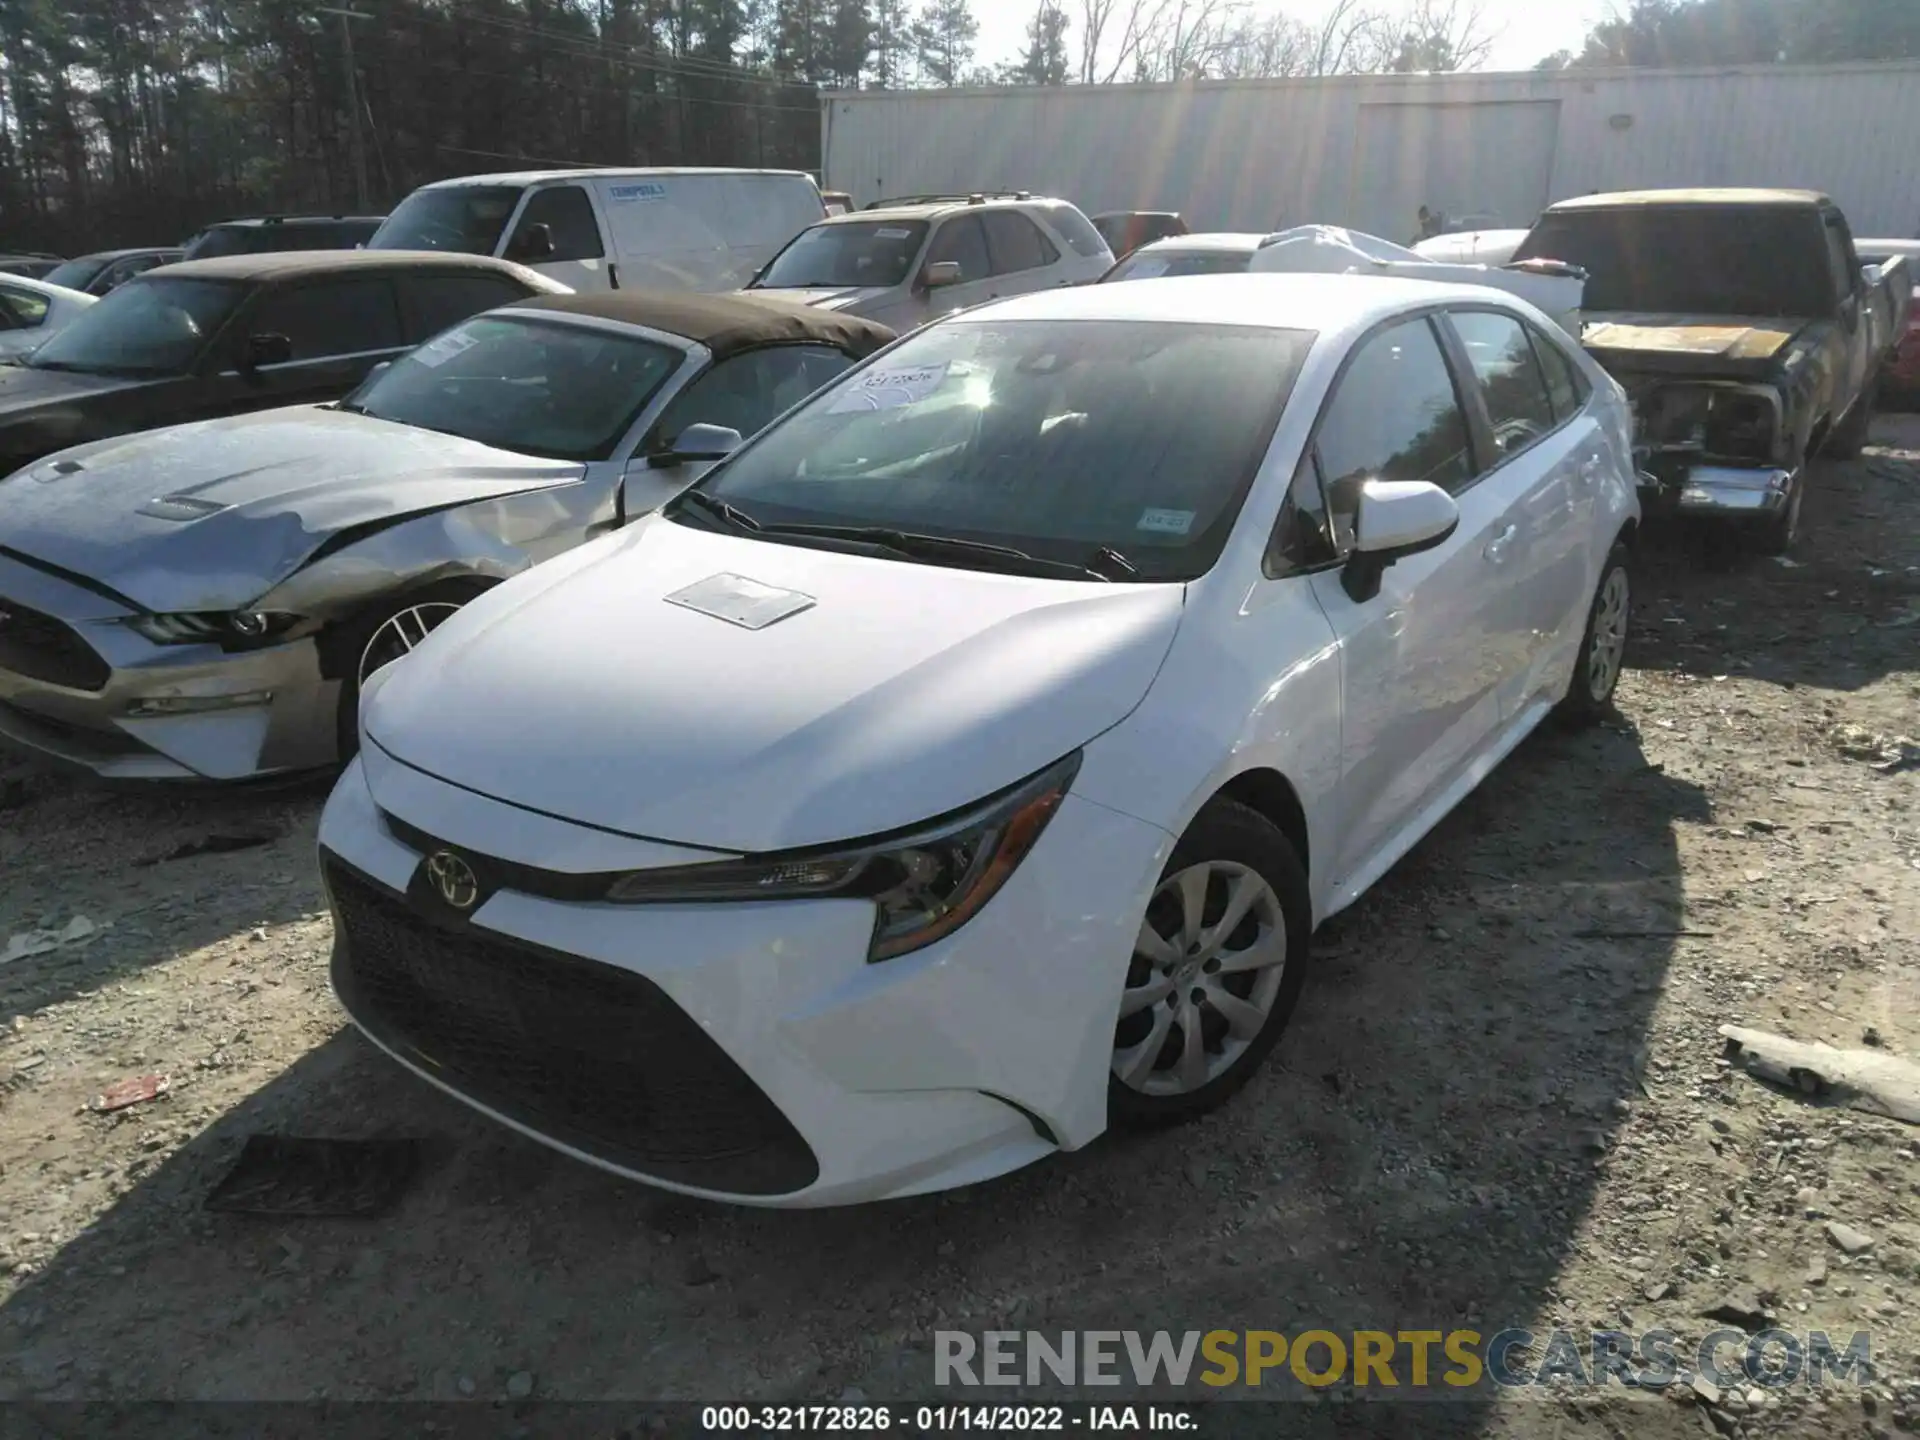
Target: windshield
{"x": 1157, "y": 264}
{"x": 75, "y": 274}
{"x": 1061, "y": 439}
{"x": 877, "y": 253}
{"x": 463, "y": 218}
{"x": 1692, "y": 260}
{"x": 564, "y": 391}
{"x": 146, "y": 327}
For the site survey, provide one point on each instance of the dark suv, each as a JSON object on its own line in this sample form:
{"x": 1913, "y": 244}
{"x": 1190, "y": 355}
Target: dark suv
{"x": 217, "y": 337}
{"x": 283, "y": 232}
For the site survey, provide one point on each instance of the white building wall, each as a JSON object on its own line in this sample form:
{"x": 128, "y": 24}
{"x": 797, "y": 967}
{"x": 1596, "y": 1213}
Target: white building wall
{"x": 1368, "y": 151}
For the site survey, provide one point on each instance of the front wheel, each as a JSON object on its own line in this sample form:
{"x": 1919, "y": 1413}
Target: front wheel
{"x": 1603, "y": 647}
{"x": 383, "y": 634}
{"x": 1216, "y": 970}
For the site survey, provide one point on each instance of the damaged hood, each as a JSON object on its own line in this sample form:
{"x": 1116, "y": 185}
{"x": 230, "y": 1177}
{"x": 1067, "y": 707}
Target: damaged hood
{"x": 598, "y": 689}
{"x": 852, "y": 298}
{"x": 1731, "y": 347}
{"x": 209, "y": 516}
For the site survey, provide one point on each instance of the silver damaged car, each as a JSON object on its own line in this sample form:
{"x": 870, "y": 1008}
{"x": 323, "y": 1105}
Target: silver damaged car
{"x": 203, "y": 602}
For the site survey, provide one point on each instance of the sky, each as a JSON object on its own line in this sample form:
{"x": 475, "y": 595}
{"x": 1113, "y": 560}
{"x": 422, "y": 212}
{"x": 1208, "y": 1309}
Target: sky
{"x": 1527, "y": 30}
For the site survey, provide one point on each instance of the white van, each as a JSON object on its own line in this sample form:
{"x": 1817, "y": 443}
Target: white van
{"x": 662, "y": 229}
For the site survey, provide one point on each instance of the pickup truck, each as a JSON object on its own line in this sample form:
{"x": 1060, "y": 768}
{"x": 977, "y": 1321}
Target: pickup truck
{"x": 1745, "y": 330}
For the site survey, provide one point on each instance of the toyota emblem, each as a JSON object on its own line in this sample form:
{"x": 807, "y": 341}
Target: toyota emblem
{"x": 454, "y": 879}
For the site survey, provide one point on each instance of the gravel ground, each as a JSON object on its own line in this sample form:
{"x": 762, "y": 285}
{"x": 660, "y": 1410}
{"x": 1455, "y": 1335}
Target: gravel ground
{"x": 1503, "y": 1101}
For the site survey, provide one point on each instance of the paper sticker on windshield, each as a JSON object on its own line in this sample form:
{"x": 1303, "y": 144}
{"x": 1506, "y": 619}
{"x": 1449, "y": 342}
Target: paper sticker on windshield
{"x": 889, "y": 234}
{"x": 1165, "y": 522}
{"x": 1146, "y": 269}
{"x": 643, "y": 190}
{"x": 443, "y": 348}
{"x": 889, "y": 389}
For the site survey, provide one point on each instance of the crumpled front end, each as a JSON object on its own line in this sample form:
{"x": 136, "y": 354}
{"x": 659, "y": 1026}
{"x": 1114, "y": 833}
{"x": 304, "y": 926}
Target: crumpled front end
{"x": 1712, "y": 447}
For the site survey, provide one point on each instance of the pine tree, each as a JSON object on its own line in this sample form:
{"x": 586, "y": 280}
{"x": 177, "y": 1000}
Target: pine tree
{"x": 943, "y": 35}
{"x": 1044, "y": 61}
{"x": 893, "y": 46}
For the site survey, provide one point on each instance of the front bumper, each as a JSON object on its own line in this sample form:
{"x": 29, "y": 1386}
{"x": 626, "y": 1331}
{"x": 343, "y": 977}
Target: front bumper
{"x": 74, "y": 670}
{"x": 740, "y": 1051}
{"x": 1719, "y": 490}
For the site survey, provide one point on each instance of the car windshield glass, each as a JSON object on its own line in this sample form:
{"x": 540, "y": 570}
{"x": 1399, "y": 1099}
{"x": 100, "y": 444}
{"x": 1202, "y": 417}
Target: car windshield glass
{"x": 222, "y": 240}
{"x": 146, "y": 327}
{"x": 1694, "y": 259}
{"x": 846, "y": 254}
{"x": 75, "y": 274}
{"x": 1060, "y": 439}
{"x": 538, "y": 387}
{"x": 1153, "y": 265}
{"x": 463, "y": 218}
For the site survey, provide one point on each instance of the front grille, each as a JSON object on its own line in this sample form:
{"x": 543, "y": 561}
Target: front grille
{"x": 43, "y": 648}
{"x": 587, "y": 1054}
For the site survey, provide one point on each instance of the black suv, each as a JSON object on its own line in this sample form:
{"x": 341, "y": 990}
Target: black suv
{"x": 283, "y": 232}
{"x": 216, "y": 337}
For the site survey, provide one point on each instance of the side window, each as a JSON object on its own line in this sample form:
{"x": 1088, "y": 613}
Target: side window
{"x": 1565, "y": 384}
{"x": 334, "y": 317}
{"x": 1511, "y": 380}
{"x": 1304, "y": 537}
{"x": 962, "y": 239}
{"x": 24, "y": 309}
{"x": 438, "y": 301}
{"x": 566, "y": 211}
{"x": 745, "y": 392}
{"x": 1394, "y": 416}
{"x": 1016, "y": 242}
{"x": 1840, "y": 259}
{"x": 1075, "y": 229}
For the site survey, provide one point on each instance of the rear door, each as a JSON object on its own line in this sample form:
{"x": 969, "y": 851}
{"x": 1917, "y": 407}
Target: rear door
{"x": 1024, "y": 259}
{"x": 1540, "y": 467}
{"x": 1855, "y": 322}
{"x": 339, "y": 328}
{"x": 1421, "y": 673}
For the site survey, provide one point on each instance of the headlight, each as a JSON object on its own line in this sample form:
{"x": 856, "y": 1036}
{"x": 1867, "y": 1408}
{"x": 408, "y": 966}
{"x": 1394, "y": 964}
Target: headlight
{"x": 925, "y": 883}
{"x": 239, "y": 630}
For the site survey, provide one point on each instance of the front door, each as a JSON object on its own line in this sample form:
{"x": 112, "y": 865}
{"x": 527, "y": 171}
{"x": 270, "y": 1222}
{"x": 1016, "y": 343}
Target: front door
{"x": 963, "y": 240}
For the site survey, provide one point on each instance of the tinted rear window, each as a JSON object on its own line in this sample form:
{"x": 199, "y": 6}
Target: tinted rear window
{"x": 1709, "y": 260}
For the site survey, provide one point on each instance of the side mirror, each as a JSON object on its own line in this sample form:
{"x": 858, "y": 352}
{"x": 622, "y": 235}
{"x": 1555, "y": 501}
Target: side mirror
{"x": 534, "y": 243}
{"x": 700, "y": 442}
{"x": 940, "y": 274}
{"x": 1395, "y": 518}
{"x": 265, "y": 349}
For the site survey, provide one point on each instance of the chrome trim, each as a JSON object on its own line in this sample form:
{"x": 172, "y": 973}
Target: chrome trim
{"x": 1713, "y": 489}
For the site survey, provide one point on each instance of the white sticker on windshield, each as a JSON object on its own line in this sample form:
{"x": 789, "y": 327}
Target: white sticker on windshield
{"x": 887, "y": 234}
{"x": 890, "y": 389}
{"x": 1165, "y": 522}
{"x": 443, "y": 348}
{"x": 1145, "y": 269}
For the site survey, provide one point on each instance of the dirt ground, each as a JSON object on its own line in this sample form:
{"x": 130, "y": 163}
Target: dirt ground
{"x": 1503, "y": 1101}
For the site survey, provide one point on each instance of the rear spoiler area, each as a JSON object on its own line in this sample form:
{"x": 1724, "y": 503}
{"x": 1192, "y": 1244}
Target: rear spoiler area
{"x": 1553, "y": 287}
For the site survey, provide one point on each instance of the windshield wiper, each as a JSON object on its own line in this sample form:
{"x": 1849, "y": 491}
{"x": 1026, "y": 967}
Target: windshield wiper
{"x": 711, "y": 505}
{"x": 917, "y": 546}
{"x": 1111, "y": 559}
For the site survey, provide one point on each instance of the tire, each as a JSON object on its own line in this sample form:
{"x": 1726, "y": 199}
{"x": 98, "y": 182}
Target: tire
{"x": 1603, "y": 647}
{"x": 1230, "y": 848}
{"x": 1849, "y": 437}
{"x": 362, "y": 645}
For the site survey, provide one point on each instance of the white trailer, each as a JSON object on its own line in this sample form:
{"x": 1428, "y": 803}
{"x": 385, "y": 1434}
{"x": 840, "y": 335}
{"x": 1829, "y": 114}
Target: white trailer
{"x": 1368, "y": 151}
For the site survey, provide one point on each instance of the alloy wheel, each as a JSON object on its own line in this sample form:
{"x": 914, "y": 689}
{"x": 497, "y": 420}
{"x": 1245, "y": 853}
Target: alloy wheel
{"x": 400, "y": 632}
{"x": 1609, "y": 635}
{"x": 1206, "y": 970}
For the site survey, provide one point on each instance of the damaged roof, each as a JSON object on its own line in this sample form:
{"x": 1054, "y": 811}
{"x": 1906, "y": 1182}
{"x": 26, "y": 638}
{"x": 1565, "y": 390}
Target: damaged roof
{"x": 1620, "y": 199}
{"x": 725, "y": 324}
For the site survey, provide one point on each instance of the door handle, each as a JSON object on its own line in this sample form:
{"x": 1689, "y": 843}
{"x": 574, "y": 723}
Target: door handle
{"x": 1497, "y": 548}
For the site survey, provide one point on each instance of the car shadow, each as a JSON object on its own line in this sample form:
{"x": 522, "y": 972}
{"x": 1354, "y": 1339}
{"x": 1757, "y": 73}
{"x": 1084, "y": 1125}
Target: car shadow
{"x": 1419, "y": 1154}
{"x": 1839, "y": 612}
{"x": 65, "y": 852}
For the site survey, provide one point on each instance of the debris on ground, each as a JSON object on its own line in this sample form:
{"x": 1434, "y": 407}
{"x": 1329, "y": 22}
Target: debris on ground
{"x": 136, "y": 1091}
{"x": 76, "y": 931}
{"x": 1868, "y": 1079}
{"x": 1849, "y": 1239}
{"x": 214, "y": 845}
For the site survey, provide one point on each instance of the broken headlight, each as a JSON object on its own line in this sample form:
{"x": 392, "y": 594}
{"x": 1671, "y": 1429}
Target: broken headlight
{"x": 1717, "y": 421}
{"x": 924, "y": 883}
{"x": 236, "y": 630}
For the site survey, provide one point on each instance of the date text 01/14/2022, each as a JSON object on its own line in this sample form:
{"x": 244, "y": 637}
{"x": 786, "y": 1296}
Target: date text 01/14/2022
{"x": 943, "y": 1419}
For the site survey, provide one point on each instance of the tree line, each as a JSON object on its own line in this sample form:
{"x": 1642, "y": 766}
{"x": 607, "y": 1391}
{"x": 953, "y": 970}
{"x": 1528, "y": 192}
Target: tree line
{"x": 128, "y": 122}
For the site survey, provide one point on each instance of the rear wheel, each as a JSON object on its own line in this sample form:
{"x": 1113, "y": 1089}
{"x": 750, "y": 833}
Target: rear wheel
{"x": 383, "y": 634}
{"x": 1603, "y": 648}
{"x": 1216, "y": 970}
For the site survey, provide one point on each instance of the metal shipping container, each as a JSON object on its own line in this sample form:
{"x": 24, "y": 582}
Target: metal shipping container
{"x": 1368, "y": 151}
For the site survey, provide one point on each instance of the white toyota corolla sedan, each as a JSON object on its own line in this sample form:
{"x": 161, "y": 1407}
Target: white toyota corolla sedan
{"x": 963, "y": 766}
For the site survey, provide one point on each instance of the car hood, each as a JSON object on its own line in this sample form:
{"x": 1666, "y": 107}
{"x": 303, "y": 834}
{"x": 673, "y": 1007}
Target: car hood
{"x": 903, "y": 692}
{"x": 24, "y": 388}
{"x": 211, "y": 515}
{"x": 1720, "y": 345}
{"x": 852, "y": 298}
